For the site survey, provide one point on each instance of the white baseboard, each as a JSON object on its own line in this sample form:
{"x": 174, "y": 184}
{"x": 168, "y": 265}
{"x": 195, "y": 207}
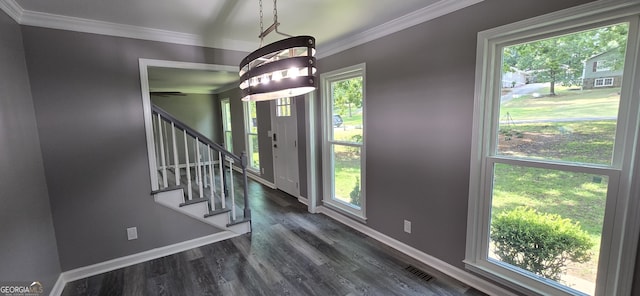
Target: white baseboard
{"x": 303, "y": 200}
{"x": 262, "y": 181}
{"x": 444, "y": 267}
{"x": 102, "y": 267}
{"x": 255, "y": 177}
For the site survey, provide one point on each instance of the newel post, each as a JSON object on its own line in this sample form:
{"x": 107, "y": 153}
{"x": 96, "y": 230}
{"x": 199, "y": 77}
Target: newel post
{"x": 244, "y": 163}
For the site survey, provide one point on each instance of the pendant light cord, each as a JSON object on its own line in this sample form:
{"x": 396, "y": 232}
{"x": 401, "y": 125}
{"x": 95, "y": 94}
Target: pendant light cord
{"x": 273, "y": 27}
{"x": 261, "y": 25}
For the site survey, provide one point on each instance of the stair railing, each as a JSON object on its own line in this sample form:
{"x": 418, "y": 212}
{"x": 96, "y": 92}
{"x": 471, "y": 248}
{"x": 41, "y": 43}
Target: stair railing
{"x": 202, "y": 160}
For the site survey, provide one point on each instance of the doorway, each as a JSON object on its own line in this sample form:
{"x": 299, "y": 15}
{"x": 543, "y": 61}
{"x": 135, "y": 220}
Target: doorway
{"x": 285, "y": 145}
{"x": 176, "y": 78}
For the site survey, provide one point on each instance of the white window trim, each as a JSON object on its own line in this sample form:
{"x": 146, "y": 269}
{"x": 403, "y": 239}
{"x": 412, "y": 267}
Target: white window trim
{"x": 622, "y": 224}
{"x": 283, "y": 102}
{"x": 247, "y": 133}
{"x": 604, "y": 82}
{"x": 226, "y": 129}
{"x": 603, "y": 66}
{"x": 327, "y": 120}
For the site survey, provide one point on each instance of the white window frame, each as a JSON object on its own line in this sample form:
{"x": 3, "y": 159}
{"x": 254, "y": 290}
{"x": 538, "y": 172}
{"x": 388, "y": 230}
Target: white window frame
{"x": 621, "y": 225}
{"x": 603, "y": 65}
{"x": 247, "y": 134}
{"x": 604, "y": 82}
{"x": 226, "y": 129}
{"x": 283, "y": 107}
{"x": 327, "y": 124}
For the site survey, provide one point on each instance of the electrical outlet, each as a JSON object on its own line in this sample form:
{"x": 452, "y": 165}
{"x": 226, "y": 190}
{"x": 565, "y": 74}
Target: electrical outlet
{"x": 132, "y": 233}
{"x": 262, "y": 170}
{"x": 407, "y": 226}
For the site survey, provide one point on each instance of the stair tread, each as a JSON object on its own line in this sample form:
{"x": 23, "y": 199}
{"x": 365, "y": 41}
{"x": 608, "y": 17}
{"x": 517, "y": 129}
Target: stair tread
{"x": 193, "y": 201}
{"x": 216, "y": 212}
{"x": 170, "y": 188}
{"x": 238, "y": 221}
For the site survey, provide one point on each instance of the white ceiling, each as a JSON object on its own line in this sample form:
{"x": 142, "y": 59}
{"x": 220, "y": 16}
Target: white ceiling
{"x": 233, "y": 24}
{"x": 190, "y": 81}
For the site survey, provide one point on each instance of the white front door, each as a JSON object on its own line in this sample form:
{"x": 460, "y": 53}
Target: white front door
{"x": 285, "y": 145}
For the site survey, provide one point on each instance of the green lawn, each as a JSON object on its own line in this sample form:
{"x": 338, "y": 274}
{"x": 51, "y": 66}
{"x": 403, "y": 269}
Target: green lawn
{"x": 577, "y": 196}
{"x": 577, "y": 141}
{"x": 563, "y": 129}
{"x": 354, "y": 120}
{"x": 580, "y": 197}
{"x": 347, "y": 159}
{"x": 567, "y": 103}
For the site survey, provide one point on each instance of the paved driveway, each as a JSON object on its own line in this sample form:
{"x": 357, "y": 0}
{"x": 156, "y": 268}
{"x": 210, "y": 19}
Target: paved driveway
{"x": 523, "y": 90}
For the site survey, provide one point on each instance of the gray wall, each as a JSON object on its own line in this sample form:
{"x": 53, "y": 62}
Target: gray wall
{"x": 419, "y": 112}
{"x": 263, "y": 111}
{"x": 199, "y": 111}
{"x": 263, "y": 114}
{"x": 28, "y": 249}
{"x": 237, "y": 123}
{"x": 86, "y": 91}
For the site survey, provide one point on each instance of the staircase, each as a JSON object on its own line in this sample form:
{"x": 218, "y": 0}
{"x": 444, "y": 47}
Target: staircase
{"x": 198, "y": 177}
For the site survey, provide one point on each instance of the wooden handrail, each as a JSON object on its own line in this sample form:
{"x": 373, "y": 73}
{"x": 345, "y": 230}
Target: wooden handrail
{"x": 204, "y": 139}
{"x": 232, "y": 158}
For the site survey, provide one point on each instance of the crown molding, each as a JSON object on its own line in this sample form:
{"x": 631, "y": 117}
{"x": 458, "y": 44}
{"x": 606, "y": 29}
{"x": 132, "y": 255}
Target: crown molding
{"x": 13, "y": 9}
{"x": 53, "y": 21}
{"x": 422, "y": 15}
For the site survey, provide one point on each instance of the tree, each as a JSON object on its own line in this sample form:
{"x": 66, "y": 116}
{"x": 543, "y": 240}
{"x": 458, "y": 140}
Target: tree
{"x": 561, "y": 59}
{"x": 347, "y": 95}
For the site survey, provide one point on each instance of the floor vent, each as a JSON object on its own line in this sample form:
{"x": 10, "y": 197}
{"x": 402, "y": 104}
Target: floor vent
{"x": 419, "y": 273}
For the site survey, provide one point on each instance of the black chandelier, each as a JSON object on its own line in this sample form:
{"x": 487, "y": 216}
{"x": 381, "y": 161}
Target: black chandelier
{"x": 285, "y": 68}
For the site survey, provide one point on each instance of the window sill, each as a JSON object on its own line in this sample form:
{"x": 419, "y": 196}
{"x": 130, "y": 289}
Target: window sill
{"x": 346, "y": 210}
{"x": 517, "y": 280}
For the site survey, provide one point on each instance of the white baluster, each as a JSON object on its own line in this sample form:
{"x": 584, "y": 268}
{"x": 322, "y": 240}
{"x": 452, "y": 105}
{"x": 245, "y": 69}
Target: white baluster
{"x": 186, "y": 155}
{"x": 176, "y": 168}
{"x": 232, "y": 190}
{"x": 166, "y": 145}
{"x": 222, "y": 195}
{"x": 212, "y": 184}
{"x": 198, "y": 167}
{"x": 162, "y": 156}
{"x": 154, "y": 120}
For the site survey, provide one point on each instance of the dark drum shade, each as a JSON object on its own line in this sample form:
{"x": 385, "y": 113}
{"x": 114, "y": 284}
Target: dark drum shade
{"x": 285, "y": 68}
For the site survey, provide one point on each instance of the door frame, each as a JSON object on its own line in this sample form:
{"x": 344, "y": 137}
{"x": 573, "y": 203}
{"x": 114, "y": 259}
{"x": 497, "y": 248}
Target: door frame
{"x": 144, "y": 64}
{"x": 274, "y": 130}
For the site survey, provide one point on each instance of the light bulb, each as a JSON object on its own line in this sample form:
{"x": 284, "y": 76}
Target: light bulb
{"x": 277, "y": 75}
{"x": 254, "y": 81}
{"x": 293, "y": 72}
{"x": 265, "y": 79}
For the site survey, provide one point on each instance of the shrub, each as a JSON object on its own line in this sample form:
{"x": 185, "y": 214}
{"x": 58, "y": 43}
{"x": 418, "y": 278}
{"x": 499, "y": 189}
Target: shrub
{"x": 355, "y": 193}
{"x": 540, "y": 243}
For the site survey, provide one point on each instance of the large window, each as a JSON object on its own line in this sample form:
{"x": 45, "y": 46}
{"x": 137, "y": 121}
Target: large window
{"x": 226, "y": 124}
{"x": 251, "y": 132}
{"x": 552, "y": 165}
{"x": 344, "y": 118}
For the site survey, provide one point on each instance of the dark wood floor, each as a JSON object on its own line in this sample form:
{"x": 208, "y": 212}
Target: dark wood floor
{"x": 290, "y": 252}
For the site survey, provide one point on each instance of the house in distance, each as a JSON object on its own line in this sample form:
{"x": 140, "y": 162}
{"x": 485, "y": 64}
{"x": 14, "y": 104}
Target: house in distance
{"x": 603, "y": 70}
